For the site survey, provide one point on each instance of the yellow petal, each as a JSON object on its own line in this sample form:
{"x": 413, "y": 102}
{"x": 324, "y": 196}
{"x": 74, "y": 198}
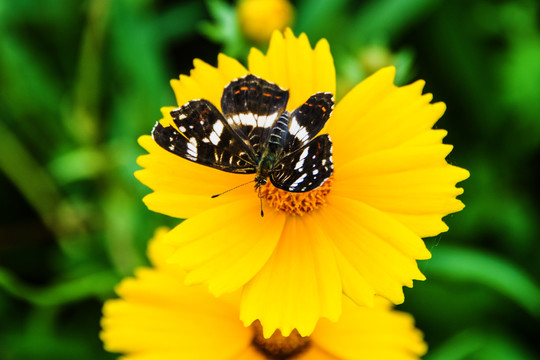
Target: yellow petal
{"x": 370, "y": 333}
{"x": 355, "y": 285}
{"x": 323, "y": 69}
{"x": 186, "y": 89}
{"x": 298, "y": 284}
{"x": 413, "y": 184}
{"x": 250, "y": 353}
{"x": 300, "y": 68}
{"x": 382, "y": 251}
{"x": 377, "y": 115}
{"x": 427, "y": 138}
{"x": 292, "y": 64}
{"x": 224, "y": 247}
{"x": 158, "y": 317}
{"x": 230, "y": 68}
{"x": 158, "y": 251}
{"x": 316, "y": 353}
{"x": 271, "y": 67}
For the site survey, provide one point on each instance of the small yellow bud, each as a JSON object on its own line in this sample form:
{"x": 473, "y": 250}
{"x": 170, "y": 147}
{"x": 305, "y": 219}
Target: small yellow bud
{"x": 259, "y": 18}
{"x": 375, "y": 57}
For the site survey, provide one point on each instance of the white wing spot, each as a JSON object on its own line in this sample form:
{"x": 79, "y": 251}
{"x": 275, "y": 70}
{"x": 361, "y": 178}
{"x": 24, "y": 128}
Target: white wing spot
{"x": 266, "y": 121}
{"x": 294, "y": 126}
{"x": 301, "y": 134}
{"x": 218, "y": 128}
{"x": 214, "y": 139}
{"x": 247, "y": 119}
{"x": 300, "y": 162}
{"x": 182, "y": 128}
{"x": 298, "y": 181}
{"x": 192, "y": 147}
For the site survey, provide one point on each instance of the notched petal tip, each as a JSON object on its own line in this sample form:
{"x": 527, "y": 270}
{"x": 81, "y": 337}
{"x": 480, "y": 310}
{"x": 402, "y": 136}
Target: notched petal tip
{"x": 277, "y": 36}
{"x": 289, "y": 33}
{"x": 145, "y": 141}
{"x": 323, "y": 46}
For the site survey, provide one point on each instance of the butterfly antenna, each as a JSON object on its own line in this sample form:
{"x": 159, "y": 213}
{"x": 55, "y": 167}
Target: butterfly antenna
{"x": 236, "y": 187}
{"x": 260, "y": 198}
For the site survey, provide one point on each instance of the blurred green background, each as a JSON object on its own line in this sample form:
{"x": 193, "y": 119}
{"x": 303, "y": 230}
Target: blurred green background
{"x": 80, "y": 81}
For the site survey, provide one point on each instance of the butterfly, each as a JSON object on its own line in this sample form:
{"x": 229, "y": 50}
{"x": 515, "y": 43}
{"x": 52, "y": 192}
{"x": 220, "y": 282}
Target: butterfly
{"x": 255, "y": 134}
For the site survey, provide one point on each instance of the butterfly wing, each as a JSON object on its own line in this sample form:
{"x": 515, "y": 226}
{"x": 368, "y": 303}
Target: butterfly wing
{"x": 308, "y": 120}
{"x": 306, "y": 168}
{"x": 253, "y": 105}
{"x": 206, "y": 138}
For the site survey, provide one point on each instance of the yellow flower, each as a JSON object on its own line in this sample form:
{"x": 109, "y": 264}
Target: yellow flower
{"x": 359, "y": 234}
{"x": 159, "y": 318}
{"x": 259, "y": 18}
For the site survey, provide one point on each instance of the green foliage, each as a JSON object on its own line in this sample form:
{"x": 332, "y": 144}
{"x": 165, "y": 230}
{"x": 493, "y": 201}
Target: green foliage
{"x": 81, "y": 80}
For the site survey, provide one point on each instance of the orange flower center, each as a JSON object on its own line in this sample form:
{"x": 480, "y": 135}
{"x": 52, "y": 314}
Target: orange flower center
{"x": 296, "y": 203}
{"x": 278, "y": 346}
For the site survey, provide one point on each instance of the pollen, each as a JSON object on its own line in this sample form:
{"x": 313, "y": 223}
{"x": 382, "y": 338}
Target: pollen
{"x": 278, "y": 346}
{"x": 294, "y": 203}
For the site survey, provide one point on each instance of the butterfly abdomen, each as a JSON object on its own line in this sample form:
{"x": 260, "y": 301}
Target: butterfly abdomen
{"x": 279, "y": 134}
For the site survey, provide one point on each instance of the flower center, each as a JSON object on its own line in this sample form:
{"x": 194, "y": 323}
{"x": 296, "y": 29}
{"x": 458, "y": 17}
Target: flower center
{"x": 296, "y": 203}
{"x": 279, "y": 347}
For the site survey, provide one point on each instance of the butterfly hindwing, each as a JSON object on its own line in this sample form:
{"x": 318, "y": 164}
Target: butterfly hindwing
{"x": 206, "y": 138}
{"x": 253, "y": 105}
{"x": 308, "y": 120}
{"x": 306, "y": 168}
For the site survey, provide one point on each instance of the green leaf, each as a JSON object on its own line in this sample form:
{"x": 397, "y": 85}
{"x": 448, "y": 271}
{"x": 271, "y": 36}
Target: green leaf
{"x": 480, "y": 344}
{"x": 99, "y": 284}
{"x": 387, "y": 18}
{"x": 225, "y": 28}
{"x": 461, "y": 264}
{"x": 312, "y": 17}
{"x": 81, "y": 163}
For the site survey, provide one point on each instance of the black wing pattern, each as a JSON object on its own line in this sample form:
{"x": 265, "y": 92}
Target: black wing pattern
{"x": 206, "y": 138}
{"x": 306, "y": 168}
{"x": 308, "y": 120}
{"x": 253, "y": 105}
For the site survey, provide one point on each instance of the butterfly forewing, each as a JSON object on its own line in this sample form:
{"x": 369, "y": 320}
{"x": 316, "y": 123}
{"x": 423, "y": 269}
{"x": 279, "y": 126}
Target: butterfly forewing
{"x": 206, "y": 138}
{"x": 306, "y": 168}
{"x": 253, "y": 105}
{"x": 308, "y": 120}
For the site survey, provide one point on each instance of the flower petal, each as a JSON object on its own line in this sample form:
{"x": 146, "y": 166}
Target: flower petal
{"x": 370, "y": 333}
{"x": 292, "y": 64}
{"x": 381, "y": 250}
{"x": 160, "y": 318}
{"x": 298, "y": 284}
{"x": 380, "y": 115}
{"x": 224, "y": 247}
{"x": 250, "y": 353}
{"x": 413, "y": 184}
{"x": 316, "y": 353}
